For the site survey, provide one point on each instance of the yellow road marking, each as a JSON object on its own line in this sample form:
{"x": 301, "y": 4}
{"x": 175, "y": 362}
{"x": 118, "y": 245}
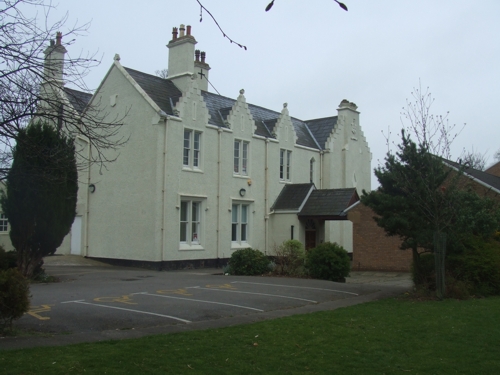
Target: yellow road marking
{"x": 123, "y": 299}
{"x": 34, "y": 310}
{"x": 221, "y": 286}
{"x": 182, "y": 292}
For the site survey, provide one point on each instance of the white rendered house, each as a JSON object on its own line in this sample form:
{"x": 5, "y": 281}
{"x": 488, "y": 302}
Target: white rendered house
{"x": 203, "y": 175}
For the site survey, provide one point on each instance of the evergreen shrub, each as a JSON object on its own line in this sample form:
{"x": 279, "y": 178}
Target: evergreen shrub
{"x": 14, "y": 297}
{"x": 289, "y": 258}
{"x": 248, "y": 262}
{"x": 8, "y": 259}
{"x": 478, "y": 266}
{"x": 328, "y": 261}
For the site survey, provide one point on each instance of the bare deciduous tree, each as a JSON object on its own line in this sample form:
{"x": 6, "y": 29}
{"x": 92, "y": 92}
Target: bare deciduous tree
{"x": 474, "y": 159}
{"x": 33, "y": 72}
{"x": 268, "y": 8}
{"x": 431, "y": 131}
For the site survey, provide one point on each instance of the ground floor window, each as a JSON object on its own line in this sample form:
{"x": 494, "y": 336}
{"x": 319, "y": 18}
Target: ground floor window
{"x": 239, "y": 224}
{"x": 4, "y": 223}
{"x": 190, "y": 222}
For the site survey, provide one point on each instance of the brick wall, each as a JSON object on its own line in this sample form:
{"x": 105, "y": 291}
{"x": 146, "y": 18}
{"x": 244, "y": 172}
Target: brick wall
{"x": 372, "y": 249}
{"x": 494, "y": 169}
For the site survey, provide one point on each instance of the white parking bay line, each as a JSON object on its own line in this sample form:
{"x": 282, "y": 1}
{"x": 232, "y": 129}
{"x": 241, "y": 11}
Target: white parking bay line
{"x": 258, "y": 294}
{"x": 137, "y": 311}
{"x": 198, "y": 300}
{"x": 292, "y": 286}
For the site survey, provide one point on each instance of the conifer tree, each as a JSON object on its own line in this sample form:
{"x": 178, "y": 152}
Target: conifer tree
{"x": 41, "y": 193}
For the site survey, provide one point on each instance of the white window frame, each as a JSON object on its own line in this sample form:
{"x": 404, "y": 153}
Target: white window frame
{"x": 241, "y": 157}
{"x": 240, "y": 224}
{"x": 190, "y": 222}
{"x": 191, "y": 149}
{"x": 285, "y": 164}
{"x": 4, "y": 223}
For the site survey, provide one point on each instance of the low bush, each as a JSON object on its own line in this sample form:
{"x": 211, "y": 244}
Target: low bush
{"x": 328, "y": 261}
{"x": 474, "y": 270}
{"x": 289, "y": 258}
{"x": 248, "y": 262}
{"x": 8, "y": 259}
{"x": 478, "y": 266}
{"x": 14, "y": 297}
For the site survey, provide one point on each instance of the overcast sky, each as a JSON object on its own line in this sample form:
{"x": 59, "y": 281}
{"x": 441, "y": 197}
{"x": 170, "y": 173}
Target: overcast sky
{"x": 312, "y": 54}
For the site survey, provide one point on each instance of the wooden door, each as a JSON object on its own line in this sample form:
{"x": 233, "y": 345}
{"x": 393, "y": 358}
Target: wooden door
{"x": 310, "y": 239}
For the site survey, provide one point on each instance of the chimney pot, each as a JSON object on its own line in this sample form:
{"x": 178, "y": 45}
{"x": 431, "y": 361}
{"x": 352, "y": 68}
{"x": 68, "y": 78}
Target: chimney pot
{"x": 174, "y": 33}
{"x": 52, "y": 42}
{"x": 197, "y": 55}
{"x": 182, "y": 29}
{"x": 203, "y": 57}
{"x": 58, "y": 38}
{"x": 188, "y": 30}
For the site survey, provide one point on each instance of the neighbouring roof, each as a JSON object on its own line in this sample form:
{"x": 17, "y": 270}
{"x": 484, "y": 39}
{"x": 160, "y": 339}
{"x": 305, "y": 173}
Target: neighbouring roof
{"x": 165, "y": 94}
{"x": 484, "y": 177}
{"x": 78, "y": 99}
{"x": 162, "y": 91}
{"x": 329, "y": 204}
{"x": 292, "y": 196}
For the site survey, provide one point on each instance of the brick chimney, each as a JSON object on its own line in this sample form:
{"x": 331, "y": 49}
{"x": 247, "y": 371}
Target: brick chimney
{"x": 183, "y": 61}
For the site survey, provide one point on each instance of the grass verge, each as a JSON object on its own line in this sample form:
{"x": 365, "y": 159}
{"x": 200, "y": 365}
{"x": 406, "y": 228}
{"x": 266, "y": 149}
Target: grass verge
{"x": 391, "y": 336}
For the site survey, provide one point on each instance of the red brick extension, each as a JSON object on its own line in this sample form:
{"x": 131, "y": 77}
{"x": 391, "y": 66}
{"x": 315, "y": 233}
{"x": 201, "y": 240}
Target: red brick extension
{"x": 373, "y": 250}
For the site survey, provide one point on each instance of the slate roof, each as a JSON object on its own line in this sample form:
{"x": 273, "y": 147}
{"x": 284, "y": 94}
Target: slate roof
{"x": 487, "y": 178}
{"x": 78, "y": 99}
{"x": 165, "y": 94}
{"x": 162, "y": 91}
{"x": 292, "y": 196}
{"x": 265, "y": 119}
{"x": 321, "y": 128}
{"x": 329, "y": 203}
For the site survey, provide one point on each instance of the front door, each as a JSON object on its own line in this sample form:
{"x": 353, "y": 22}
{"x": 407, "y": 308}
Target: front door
{"x": 310, "y": 239}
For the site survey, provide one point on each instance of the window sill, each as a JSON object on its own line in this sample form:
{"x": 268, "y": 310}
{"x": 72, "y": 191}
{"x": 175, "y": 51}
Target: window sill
{"x": 239, "y": 246}
{"x": 187, "y": 247}
{"x": 194, "y": 170}
{"x": 285, "y": 182}
{"x": 246, "y": 177}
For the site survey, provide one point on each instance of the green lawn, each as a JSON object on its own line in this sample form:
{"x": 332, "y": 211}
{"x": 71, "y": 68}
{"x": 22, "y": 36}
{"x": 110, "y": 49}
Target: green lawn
{"x": 384, "y": 337}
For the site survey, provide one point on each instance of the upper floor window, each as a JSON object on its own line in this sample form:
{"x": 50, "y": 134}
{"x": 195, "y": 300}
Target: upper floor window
{"x": 192, "y": 149}
{"x": 190, "y": 221}
{"x": 285, "y": 165}
{"x": 241, "y": 155}
{"x": 4, "y": 223}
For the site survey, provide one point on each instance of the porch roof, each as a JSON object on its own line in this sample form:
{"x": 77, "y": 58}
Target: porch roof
{"x": 329, "y": 204}
{"x": 292, "y": 197}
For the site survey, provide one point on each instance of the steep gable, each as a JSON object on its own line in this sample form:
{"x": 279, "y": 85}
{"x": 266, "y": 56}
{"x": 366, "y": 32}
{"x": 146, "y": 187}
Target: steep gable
{"x": 284, "y": 129}
{"x": 240, "y": 119}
